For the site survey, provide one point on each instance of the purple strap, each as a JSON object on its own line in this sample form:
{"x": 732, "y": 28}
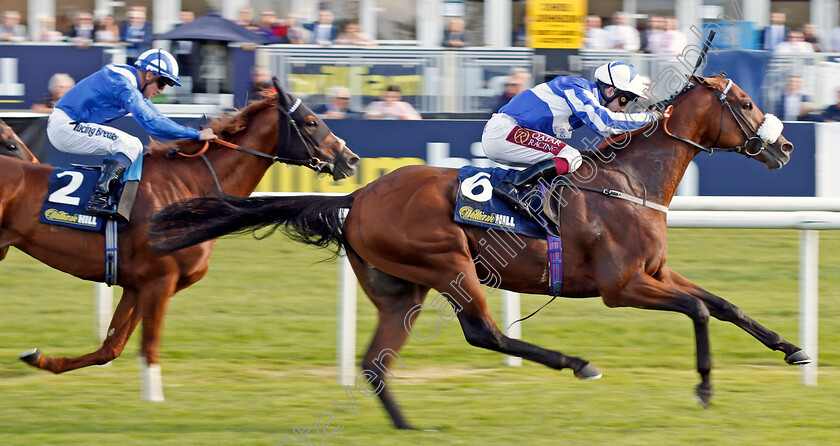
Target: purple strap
{"x": 555, "y": 263}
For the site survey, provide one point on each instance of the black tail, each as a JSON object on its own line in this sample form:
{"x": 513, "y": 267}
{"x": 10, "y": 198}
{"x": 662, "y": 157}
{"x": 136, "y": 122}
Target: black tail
{"x": 312, "y": 219}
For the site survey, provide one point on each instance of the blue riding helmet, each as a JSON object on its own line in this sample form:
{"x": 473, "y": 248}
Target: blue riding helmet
{"x": 160, "y": 62}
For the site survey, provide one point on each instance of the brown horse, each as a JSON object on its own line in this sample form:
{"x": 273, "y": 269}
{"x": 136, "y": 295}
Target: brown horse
{"x": 402, "y": 241}
{"x": 12, "y": 146}
{"x": 277, "y": 128}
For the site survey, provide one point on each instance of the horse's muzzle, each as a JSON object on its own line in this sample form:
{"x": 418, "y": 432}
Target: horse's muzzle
{"x": 345, "y": 165}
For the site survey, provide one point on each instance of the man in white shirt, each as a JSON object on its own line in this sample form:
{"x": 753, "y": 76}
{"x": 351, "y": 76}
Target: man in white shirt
{"x": 597, "y": 38}
{"x": 775, "y": 33}
{"x": 622, "y": 36}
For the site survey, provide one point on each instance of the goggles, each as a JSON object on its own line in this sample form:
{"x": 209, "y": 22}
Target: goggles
{"x": 626, "y": 98}
{"x": 165, "y": 82}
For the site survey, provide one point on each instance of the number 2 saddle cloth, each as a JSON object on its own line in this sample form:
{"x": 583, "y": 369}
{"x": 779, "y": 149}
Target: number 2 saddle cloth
{"x": 70, "y": 189}
{"x": 476, "y": 205}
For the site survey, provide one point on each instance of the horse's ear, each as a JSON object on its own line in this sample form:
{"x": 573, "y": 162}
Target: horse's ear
{"x": 282, "y": 95}
{"x": 699, "y": 80}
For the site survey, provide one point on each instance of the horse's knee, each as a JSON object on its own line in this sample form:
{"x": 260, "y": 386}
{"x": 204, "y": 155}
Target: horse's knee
{"x": 699, "y": 313}
{"x": 480, "y": 334}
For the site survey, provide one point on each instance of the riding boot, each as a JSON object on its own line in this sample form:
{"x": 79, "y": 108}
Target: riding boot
{"x": 112, "y": 171}
{"x": 508, "y": 190}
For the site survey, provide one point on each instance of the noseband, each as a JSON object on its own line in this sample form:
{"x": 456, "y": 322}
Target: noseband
{"x": 315, "y": 163}
{"x": 767, "y": 133}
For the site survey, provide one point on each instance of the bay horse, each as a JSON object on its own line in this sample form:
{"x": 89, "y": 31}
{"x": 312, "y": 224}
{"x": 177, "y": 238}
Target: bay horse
{"x": 12, "y": 146}
{"x": 402, "y": 241}
{"x": 277, "y": 128}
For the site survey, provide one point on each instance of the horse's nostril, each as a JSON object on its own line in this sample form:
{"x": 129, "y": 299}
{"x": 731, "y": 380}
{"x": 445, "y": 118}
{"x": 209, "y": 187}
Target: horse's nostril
{"x": 353, "y": 161}
{"x": 787, "y": 147}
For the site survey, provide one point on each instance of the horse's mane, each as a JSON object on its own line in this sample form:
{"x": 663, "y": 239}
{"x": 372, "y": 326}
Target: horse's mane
{"x": 225, "y": 126}
{"x": 608, "y": 145}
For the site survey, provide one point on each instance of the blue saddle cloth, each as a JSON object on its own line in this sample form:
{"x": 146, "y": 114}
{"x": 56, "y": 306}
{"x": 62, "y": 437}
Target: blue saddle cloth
{"x": 476, "y": 205}
{"x": 69, "y": 191}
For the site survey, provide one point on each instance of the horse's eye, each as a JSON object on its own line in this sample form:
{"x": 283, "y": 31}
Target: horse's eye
{"x": 312, "y": 123}
{"x": 748, "y": 106}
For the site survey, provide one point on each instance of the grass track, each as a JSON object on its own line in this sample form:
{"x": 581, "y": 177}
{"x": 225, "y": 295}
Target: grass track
{"x": 248, "y": 355}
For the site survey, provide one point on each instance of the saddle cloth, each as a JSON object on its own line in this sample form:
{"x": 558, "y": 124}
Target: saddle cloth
{"x": 476, "y": 205}
{"x": 70, "y": 189}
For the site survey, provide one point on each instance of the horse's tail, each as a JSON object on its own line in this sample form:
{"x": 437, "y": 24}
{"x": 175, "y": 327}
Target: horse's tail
{"x": 312, "y": 219}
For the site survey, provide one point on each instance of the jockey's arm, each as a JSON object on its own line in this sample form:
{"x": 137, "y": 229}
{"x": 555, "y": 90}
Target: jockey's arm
{"x": 586, "y": 106}
{"x": 152, "y": 121}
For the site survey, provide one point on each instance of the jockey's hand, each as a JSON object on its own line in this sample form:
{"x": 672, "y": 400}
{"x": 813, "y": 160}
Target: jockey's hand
{"x": 206, "y": 134}
{"x": 657, "y": 115}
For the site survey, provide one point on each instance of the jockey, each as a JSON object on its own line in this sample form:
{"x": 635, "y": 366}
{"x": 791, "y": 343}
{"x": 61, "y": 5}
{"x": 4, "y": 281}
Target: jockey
{"x": 76, "y": 124}
{"x": 525, "y": 132}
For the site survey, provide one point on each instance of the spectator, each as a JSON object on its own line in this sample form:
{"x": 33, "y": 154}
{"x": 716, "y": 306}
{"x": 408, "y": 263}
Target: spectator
{"x": 269, "y": 26}
{"x": 518, "y": 80}
{"x": 246, "y": 18}
{"x": 136, "y": 32}
{"x": 811, "y": 31}
{"x": 673, "y": 40}
{"x": 651, "y": 36}
{"x": 456, "y": 35}
{"x": 324, "y": 31}
{"x": 59, "y": 84}
{"x": 11, "y": 30}
{"x": 338, "y": 105}
{"x": 82, "y": 31}
{"x": 794, "y": 44}
{"x": 835, "y": 40}
{"x": 793, "y": 104}
{"x": 832, "y": 113}
{"x": 296, "y": 33}
{"x": 520, "y": 34}
{"x": 106, "y": 30}
{"x": 260, "y": 84}
{"x": 596, "y": 38}
{"x": 183, "y": 49}
{"x": 775, "y": 33}
{"x": 353, "y": 36}
{"x": 391, "y": 106}
{"x": 48, "y": 31}
{"x": 622, "y": 36}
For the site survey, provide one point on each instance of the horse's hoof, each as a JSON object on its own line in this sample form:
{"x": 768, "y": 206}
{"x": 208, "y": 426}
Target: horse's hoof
{"x": 588, "y": 372}
{"x": 798, "y": 357}
{"x": 704, "y": 395}
{"x": 31, "y": 356}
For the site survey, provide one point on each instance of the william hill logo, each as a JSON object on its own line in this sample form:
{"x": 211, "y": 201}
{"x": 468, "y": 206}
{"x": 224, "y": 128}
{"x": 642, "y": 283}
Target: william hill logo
{"x": 65, "y": 217}
{"x": 477, "y": 215}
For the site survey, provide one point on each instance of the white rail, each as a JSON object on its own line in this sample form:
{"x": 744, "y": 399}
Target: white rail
{"x": 808, "y": 214}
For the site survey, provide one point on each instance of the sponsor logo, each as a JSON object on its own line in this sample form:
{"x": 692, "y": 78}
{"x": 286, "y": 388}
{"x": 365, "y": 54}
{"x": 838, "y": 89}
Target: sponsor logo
{"x": 94, "y": 131}
{"x": 477, "y": 215}
{"x": 65, "y": 217}
{"x": 535, "y": 140}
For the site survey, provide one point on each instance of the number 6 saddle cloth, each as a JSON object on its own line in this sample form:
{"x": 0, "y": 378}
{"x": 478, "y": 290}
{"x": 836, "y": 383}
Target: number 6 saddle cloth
{"x": 70, "y": 189}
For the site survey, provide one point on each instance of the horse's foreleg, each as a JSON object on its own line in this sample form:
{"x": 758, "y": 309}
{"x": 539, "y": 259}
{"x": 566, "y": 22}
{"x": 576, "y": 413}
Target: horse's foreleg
{"x": 467, "y": 296}
{"x": 722, "y": 309}
{"x": 394, "y": 298}
{"x": 643, "y": 291}
{"x": 152, "y": 304}
{"x": 123, "y": 323}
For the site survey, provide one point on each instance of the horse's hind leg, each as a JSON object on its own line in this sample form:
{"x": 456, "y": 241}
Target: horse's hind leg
{"x": 467, "y": 295}
{"x": 722, "y": 309}
{"x": 123, "y": 323}
{"x": 394, "y": 298}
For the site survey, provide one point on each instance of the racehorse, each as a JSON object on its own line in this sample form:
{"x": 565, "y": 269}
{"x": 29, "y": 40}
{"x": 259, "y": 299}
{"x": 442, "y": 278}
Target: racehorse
{"x": 12, "y": 146}
{"x": 401, "y": 239}
{"x": 277, "y": 128}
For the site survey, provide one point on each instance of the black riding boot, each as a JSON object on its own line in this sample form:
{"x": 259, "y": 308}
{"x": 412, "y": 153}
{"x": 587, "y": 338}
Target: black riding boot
{"x": 112, "y": 171}
{"x": 508, "y": 191}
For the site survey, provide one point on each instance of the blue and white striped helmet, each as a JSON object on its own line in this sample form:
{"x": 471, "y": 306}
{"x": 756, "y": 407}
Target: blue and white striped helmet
{"x": 160, "y": 62}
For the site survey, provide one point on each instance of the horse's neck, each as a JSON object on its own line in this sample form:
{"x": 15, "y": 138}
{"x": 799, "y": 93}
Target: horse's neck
{"x": 659, "y": 161}
{"x": 239, "y": 173}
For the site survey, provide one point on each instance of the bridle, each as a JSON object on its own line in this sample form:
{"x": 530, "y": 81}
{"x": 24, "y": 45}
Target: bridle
{"x": 767, "y": 133}
{"x": 313, "y": 153}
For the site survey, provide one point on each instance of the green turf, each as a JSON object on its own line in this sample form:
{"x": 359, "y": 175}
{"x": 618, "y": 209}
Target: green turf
{"x": 248, "y": 355}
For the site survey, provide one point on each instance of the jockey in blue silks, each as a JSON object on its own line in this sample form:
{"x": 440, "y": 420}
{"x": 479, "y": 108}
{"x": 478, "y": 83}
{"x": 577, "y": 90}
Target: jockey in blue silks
{"x": 526, "y": 132}
{"x": 76, "y": 124}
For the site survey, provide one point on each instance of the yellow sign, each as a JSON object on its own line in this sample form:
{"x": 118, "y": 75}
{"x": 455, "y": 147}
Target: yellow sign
{"x": 285, "y": 178}
{"x": 556, "y": 23}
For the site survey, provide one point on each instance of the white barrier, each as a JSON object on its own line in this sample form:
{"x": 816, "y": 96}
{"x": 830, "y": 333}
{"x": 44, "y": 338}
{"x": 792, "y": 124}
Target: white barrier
{"x": 807, "y": 214}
